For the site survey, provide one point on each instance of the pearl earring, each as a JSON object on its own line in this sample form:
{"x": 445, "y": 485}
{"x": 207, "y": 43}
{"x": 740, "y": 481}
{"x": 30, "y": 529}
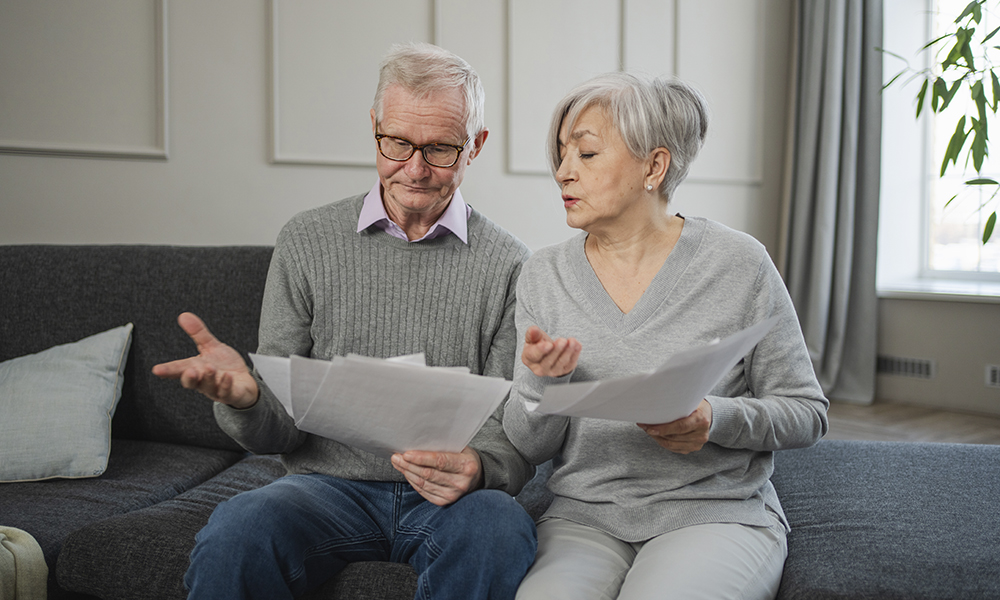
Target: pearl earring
{"x": 649, "y": 187}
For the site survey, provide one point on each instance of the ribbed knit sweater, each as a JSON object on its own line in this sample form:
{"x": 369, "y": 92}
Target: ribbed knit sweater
{"x": 332, "y": 291}
{"x": 613, "y": 476}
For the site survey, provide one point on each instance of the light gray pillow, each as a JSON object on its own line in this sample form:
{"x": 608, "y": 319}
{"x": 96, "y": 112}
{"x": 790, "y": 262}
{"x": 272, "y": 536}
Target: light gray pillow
{"x": 56, "y": 408}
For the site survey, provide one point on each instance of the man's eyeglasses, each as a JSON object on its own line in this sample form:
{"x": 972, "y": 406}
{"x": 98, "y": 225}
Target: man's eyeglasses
{"x": 437, "y": 155}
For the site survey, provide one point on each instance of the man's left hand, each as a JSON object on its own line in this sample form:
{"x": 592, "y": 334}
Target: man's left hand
{"x": 441, "y": 477}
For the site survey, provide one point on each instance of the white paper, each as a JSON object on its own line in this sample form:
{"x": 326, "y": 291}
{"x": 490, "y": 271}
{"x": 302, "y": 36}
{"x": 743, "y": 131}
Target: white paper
{"x": 383, "y": 406}
{"x": 274, "y": 370}
{"x": 666, "y": 394}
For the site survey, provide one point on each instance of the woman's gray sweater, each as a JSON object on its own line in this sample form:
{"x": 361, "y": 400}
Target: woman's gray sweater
{"x": 612, "y": 475}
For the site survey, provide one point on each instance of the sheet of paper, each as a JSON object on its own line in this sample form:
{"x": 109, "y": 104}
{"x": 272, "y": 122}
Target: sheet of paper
{"x": 276, "y": 371}
{"x": 669, "y": 393}
{"x": 385, "y": 406}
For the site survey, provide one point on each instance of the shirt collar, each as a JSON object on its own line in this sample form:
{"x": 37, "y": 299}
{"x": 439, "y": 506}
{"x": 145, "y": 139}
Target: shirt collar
{"x": 454, "y": 219}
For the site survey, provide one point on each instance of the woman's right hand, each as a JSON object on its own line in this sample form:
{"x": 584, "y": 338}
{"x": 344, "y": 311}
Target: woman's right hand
{"x": 547, "y": 357}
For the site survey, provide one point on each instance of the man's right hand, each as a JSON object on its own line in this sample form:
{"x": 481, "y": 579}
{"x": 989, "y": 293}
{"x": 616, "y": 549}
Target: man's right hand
{"x": 218, "y": 371}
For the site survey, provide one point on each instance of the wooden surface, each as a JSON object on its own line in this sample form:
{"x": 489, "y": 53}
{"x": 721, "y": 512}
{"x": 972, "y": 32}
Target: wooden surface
{"x": 900, "y": 422}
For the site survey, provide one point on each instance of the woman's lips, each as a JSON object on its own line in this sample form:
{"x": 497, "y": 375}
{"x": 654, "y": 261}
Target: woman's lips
{"x": 569, "y": 201}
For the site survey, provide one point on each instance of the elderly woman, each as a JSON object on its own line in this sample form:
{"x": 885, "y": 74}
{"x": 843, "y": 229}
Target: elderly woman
{"x": 683, "y": 509}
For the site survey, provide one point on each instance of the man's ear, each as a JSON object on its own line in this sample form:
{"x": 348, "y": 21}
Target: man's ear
{"x": 373, "y": 122}
{"x": 477, "y": 144}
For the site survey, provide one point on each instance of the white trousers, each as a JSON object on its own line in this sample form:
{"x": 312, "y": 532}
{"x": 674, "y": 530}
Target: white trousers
{"x": 714, "y": 561}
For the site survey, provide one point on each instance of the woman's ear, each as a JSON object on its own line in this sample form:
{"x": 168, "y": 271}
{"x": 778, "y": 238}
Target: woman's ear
{"x": 658, "y": 162}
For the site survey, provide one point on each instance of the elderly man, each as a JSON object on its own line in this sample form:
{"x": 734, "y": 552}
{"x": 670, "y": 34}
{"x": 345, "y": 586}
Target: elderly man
{"x": 408, "y": 267}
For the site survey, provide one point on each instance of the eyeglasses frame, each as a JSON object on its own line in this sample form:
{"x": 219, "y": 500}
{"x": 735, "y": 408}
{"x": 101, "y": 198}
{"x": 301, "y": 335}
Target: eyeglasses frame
{"x": 414, "y": 148}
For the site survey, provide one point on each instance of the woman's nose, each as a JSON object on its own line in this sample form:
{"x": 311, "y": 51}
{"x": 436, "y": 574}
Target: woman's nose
{"x": 564, "y": 172}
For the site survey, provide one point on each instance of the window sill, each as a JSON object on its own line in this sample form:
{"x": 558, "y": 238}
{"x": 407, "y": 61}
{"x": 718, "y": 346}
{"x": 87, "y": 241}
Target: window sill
{"x": 945, "y": 290}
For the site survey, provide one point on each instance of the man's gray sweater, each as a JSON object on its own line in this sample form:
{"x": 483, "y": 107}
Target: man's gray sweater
{"x": 332, "y": 291}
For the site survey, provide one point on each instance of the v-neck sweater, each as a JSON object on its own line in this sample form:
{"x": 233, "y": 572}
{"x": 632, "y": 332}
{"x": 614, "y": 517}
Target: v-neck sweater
{"x": 613, "y": 476}
{"x": 332, "y": 290}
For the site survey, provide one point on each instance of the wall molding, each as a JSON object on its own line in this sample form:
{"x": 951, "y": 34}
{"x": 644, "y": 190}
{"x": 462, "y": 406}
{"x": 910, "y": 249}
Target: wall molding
{"x": 158, "y": 151}
{"x": 638, "y": 37}
{"x": 280, "y": 156}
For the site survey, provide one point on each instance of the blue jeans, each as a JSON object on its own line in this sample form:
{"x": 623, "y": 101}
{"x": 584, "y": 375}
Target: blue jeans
{"x": 293, "y": 534}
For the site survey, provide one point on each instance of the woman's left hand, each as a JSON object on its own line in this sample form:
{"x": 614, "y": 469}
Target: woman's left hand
{"x": 686, "y": 435}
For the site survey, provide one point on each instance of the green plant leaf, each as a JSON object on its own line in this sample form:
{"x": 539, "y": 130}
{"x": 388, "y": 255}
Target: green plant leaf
{"x": 979, "y": 97}
{"x": 981, "y": 181}
{"x": 972, "y": 9}
{"x": 996, "y": 90}
{"x": 932, "y": 42}
{"x": 949, "y": 200}
{"x": 956, "y": 50}
{"x": 990, "y": 35}
{"x": 978, "y": 147}
{"x": 954, "y": 145}
{"x": 920, "y": 95}
{"x": 949, "y": 94}
{"x": 970, "y": 62}
{"x": 988, "y": 229}
{"x": 891, "y": 81}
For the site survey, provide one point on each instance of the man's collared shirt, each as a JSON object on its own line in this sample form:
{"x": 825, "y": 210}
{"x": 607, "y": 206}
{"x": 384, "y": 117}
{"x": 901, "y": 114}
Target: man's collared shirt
{"x": 454, "y": 219}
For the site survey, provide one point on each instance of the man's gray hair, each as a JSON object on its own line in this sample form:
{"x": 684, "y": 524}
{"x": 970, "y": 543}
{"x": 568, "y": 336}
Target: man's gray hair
{"x": 648, "y": 113}
{"x": 423, "y": 69}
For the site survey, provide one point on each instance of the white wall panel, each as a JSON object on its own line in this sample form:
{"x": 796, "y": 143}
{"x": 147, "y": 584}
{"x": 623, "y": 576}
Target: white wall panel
{"x": 83, "y": 78}
{"x": 720, "y": 50}
{"x": 553, "y": 46}
{"x": 323, "y": 73}
{"x": 219, "y": 186}
{"x": 650, "y": 36}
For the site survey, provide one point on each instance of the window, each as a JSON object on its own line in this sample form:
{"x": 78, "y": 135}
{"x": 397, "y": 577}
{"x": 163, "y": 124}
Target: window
{"x": 926, "y": 247}
{"x": 957, "y": 213}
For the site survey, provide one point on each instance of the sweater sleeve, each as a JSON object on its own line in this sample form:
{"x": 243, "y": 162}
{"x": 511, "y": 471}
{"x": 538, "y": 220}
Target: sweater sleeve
{"x": 784, "y": 406}
{"x": 537, "y": 436}
{"x": 503, "y": 466}
{"x": 265, "y": 428}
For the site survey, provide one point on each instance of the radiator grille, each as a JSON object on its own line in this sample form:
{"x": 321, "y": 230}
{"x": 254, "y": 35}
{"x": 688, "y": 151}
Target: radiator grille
{"x": 920, "y": 368}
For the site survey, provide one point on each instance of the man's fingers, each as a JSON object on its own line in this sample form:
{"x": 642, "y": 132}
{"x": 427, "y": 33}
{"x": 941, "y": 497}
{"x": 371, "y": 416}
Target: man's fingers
{"x": 427, "y": 462}
{"x": 173, "y": 369}
{"x": 195, "y": 327}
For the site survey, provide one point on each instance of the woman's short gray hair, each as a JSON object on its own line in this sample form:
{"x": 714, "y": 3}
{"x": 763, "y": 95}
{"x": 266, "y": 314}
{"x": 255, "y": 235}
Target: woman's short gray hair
{"x": 648, "y": 113}
{"x": 425, "y": 68}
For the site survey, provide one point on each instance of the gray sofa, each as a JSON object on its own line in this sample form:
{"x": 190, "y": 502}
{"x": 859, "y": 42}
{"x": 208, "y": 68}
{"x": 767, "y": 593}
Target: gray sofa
{"x": 870, "y": 519}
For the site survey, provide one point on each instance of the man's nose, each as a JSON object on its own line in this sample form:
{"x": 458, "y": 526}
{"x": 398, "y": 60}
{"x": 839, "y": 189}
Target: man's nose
{"x": 416, "y": 167}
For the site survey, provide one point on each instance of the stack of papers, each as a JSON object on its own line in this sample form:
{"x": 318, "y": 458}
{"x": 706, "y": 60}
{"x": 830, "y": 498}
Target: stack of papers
{"x": 383, "y": 406}
{"x": 666, "y": 394}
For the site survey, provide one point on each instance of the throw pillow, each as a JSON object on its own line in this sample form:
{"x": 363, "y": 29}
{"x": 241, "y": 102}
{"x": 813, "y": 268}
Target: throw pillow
{"x": 56, "y": 408}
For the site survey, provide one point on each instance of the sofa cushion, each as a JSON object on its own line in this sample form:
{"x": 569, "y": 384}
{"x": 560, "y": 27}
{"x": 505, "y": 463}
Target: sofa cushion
{"x": 890, "y": 520}
{"x": 139, "y": 474}
{"x": 57, "y": 294}
{"x": 152, "y": 545}
{"x": 56, "y": 408}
